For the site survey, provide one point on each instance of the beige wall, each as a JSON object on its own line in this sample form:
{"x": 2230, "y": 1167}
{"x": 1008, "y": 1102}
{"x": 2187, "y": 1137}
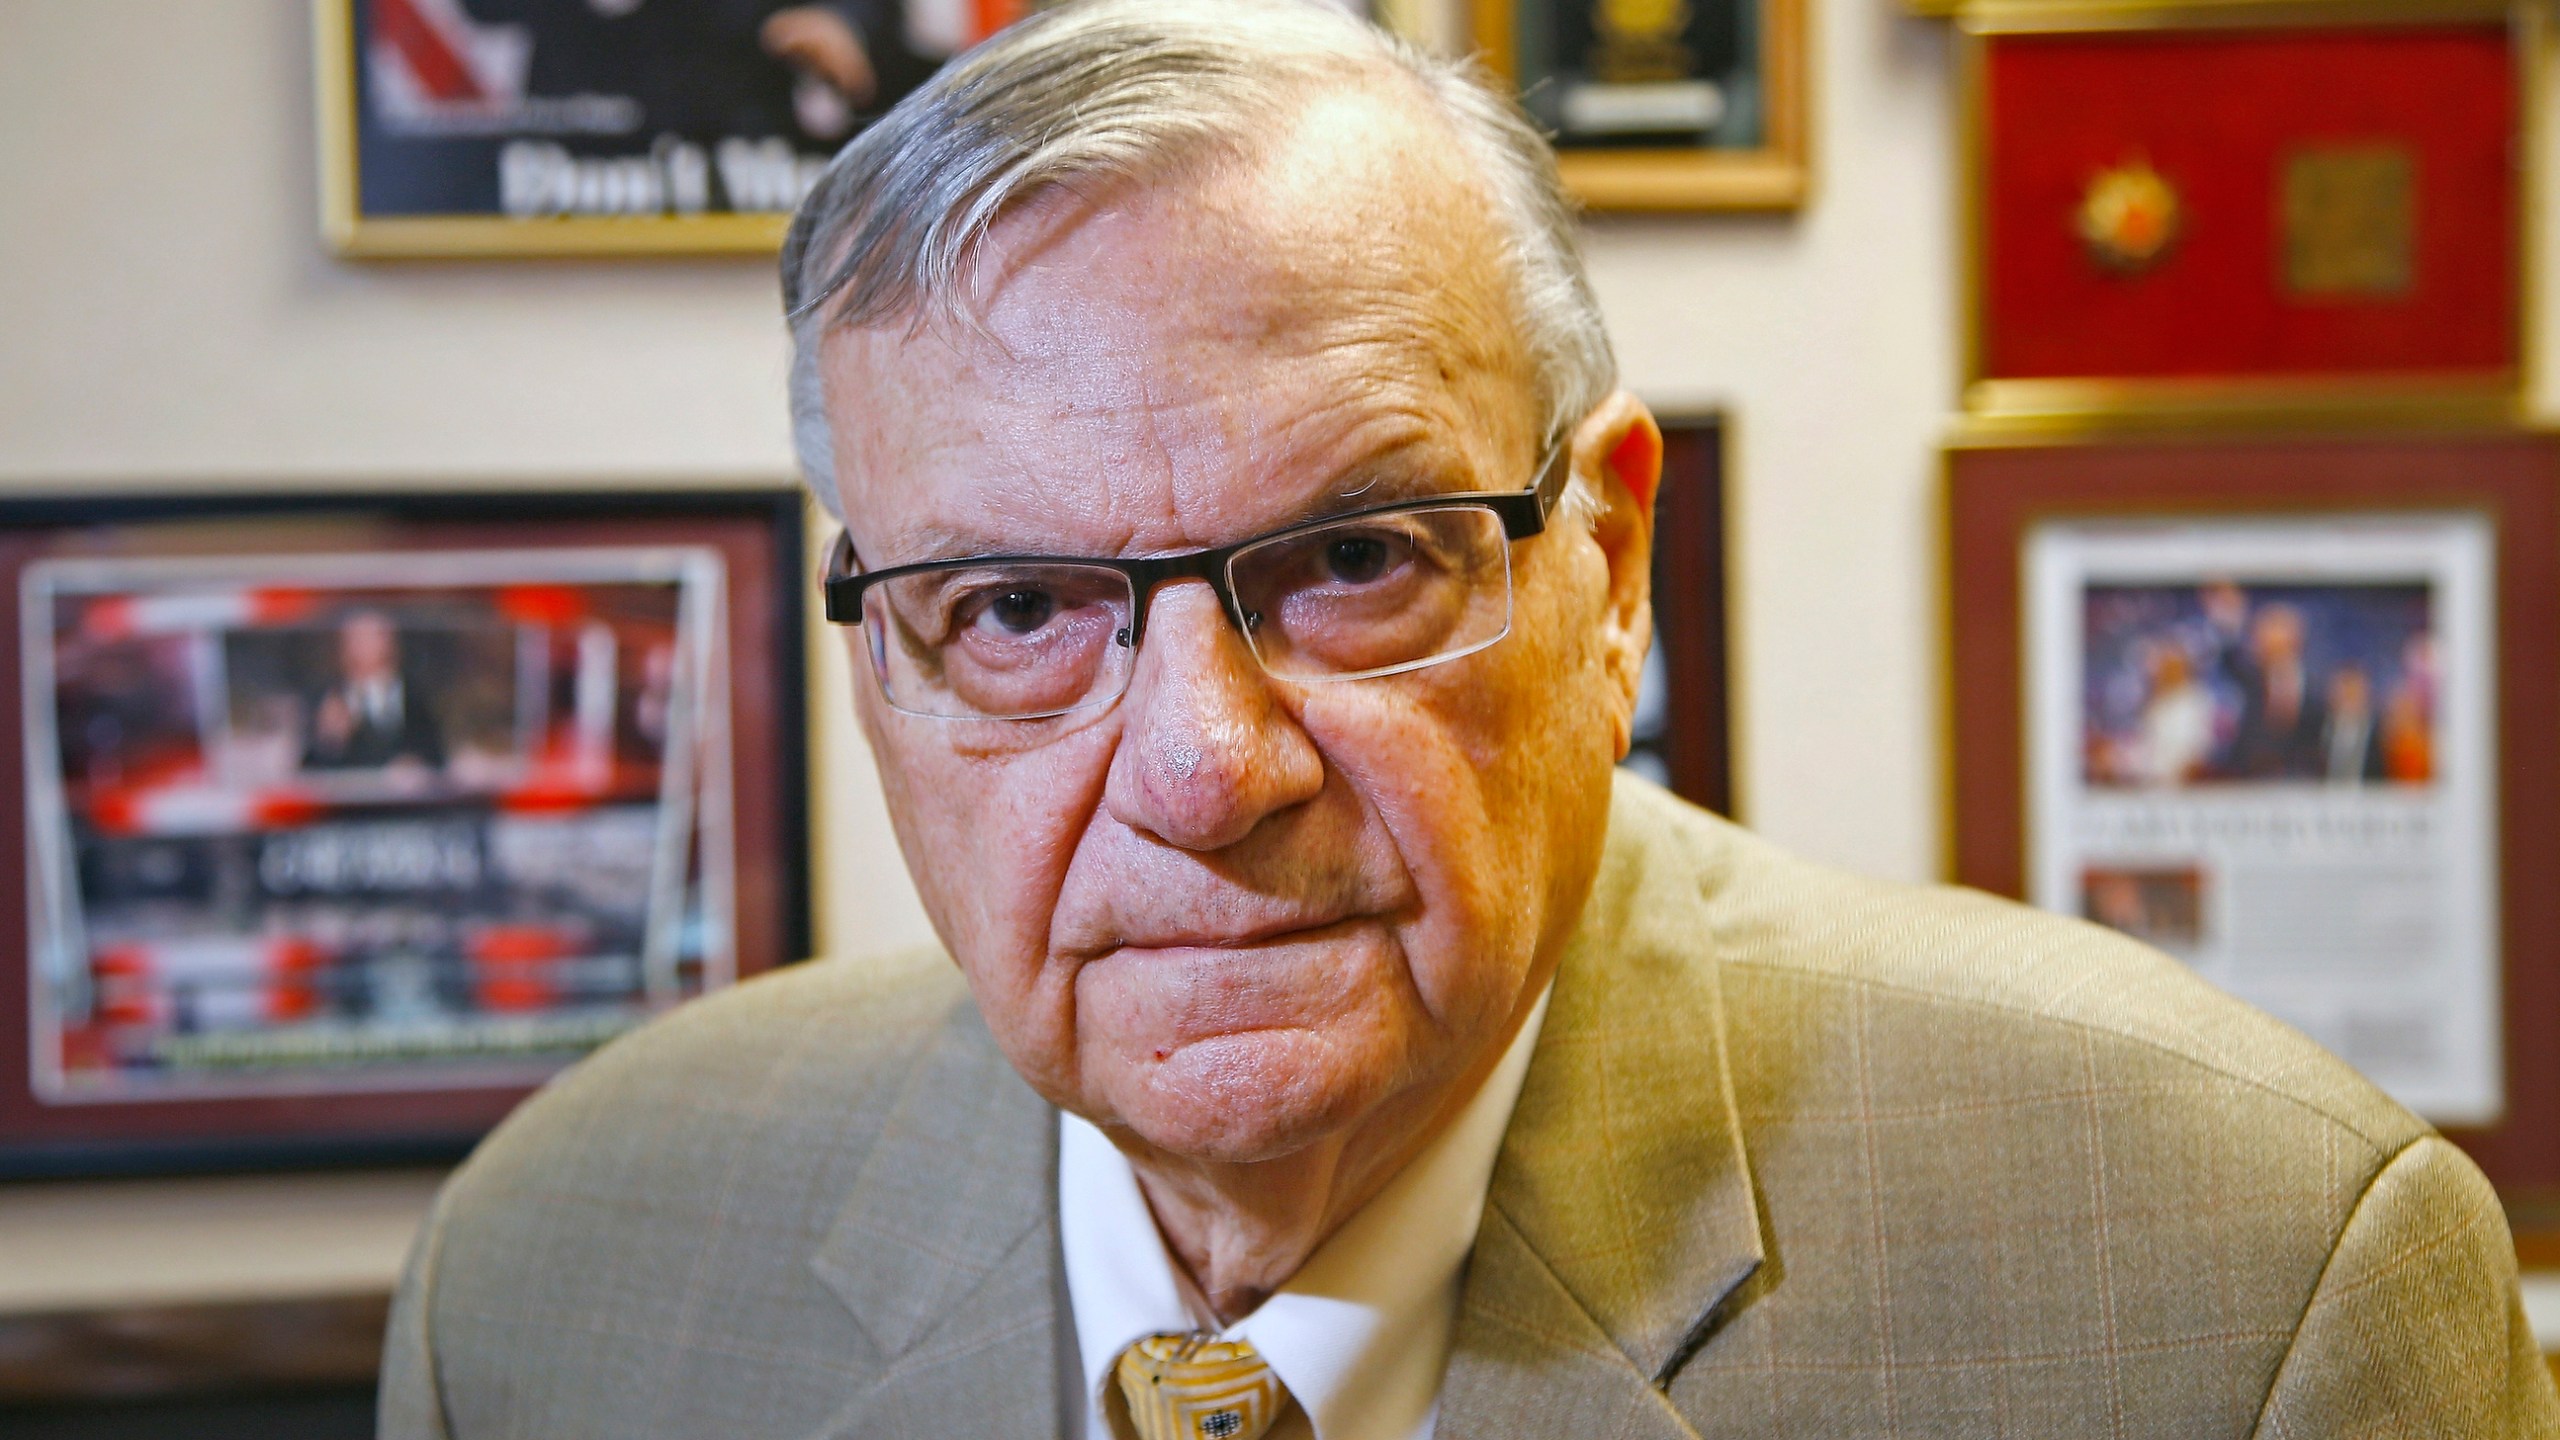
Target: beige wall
{"x": 169, "y": 317}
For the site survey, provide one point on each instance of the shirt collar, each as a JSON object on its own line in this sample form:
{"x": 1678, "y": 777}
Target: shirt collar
{"x": 1361, "y": 1333}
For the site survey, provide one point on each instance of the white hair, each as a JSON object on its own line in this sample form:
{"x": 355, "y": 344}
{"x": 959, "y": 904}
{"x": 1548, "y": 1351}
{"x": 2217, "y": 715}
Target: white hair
{"x": 1116, "y": 90}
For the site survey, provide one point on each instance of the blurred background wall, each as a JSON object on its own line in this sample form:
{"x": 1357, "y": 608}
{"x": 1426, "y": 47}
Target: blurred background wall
{"x": 169, "y": 317}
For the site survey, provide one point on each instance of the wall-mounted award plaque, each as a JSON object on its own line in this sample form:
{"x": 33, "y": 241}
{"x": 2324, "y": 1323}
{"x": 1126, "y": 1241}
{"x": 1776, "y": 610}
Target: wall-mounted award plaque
{"x": 1662, "y": 104}
{"x": 2247, "y": 208}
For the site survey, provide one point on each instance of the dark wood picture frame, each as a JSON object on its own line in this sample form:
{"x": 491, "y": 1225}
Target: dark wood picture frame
{"x": 1691, "y": 614}
{"x": 759, "y": 534}
{"x": 1997, "y": 494}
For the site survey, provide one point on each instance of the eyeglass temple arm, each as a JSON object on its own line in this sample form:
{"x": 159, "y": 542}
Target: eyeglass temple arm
{"x": 1521, "y": 520}
{"x": 1558, "y": 474}
{"x": 843, "y": 608}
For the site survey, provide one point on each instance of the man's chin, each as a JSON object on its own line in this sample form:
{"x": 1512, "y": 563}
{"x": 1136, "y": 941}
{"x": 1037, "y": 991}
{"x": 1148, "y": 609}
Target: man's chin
{"x": 1242, "y": 1099}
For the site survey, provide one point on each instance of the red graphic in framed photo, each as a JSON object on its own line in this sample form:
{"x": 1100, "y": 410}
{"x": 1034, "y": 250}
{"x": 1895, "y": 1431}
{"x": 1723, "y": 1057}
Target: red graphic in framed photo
{"x": 349, "y": 819}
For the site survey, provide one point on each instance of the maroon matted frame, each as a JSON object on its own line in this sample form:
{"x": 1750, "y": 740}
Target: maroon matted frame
{"x": 1691, "y": 619}
{"x": 1997, "y": 495}
{"x": 758, "y": 533}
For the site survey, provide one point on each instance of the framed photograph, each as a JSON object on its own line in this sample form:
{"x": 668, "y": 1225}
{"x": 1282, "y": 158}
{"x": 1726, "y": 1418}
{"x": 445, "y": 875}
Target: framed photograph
{"x": 604, "y": 127}
{"x": 2280, "y": 709}
{"x": 1684, "y": 711}
{"x": 2351, "y": 243}
{"x": 1698, "y": 105}
{"x": 348, "y": 819}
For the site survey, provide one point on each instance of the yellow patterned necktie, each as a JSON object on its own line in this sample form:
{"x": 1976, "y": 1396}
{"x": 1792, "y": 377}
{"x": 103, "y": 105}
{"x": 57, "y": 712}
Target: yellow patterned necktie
{"x": 1193, "y": 1387}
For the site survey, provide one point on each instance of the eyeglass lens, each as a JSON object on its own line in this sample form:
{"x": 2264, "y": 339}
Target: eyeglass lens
{"x": 1367, "y": 596}
{"x": 1378, "y": 594}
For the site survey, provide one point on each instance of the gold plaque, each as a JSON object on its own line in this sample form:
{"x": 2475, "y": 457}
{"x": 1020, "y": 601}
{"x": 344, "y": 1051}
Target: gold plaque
{"x": 2129, "y": 217}
{"x": 2350, "y": 222}
{"x": 1640, "y": 42}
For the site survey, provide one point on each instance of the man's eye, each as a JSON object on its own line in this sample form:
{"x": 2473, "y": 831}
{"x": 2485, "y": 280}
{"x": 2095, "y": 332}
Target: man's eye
{"x": 1020, "y": 612}
{"x": 1358, "y": 559}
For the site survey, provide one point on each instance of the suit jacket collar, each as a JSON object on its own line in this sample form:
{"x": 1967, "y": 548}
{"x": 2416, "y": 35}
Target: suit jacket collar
{"x": 1620, "y": 1230}
{"x": 1623, "y": 1221}
{"x": 945, "y": 1250}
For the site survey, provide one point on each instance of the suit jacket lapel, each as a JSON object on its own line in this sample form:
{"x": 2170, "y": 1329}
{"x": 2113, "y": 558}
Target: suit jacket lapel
{"x": 946, "y": 1250}
{"x": 1622, "y": 1222}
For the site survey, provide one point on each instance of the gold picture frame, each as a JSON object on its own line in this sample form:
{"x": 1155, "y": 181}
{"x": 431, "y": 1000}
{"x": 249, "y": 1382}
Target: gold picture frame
{"x": 1777, "y": 174}
{"x": 353, "y": 232}
{"x": 2051, "y": 406}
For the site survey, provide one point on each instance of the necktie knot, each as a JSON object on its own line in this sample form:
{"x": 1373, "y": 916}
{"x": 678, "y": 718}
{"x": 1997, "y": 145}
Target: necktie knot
{"x": 1193, "y": 1387}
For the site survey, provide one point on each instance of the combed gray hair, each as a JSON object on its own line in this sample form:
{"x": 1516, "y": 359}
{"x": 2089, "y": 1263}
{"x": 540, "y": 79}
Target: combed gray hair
{"x": 1114, "y": 90}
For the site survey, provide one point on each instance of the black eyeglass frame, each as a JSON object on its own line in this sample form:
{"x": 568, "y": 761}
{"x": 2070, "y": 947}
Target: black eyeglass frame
{"x": 1524, "y": 513}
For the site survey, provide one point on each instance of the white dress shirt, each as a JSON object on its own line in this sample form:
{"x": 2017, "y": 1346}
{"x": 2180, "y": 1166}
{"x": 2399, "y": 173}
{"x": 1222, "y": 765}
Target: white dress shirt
{"x": 1361, "y": 1333}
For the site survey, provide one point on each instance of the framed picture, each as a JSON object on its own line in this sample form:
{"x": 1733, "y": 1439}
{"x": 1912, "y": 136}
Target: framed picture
{"x": 2350, "y": 243}
{"x": 604, "y": 127}
{"x": 2279, "y": 707}
{"x": 1684, "y": 711}
{"x": 350, "y": 818}
{"x": 1697, "y": 105}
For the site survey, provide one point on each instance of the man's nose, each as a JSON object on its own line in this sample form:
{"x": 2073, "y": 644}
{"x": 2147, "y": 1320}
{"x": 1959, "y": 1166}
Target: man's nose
{"x": 1206, "y": 749}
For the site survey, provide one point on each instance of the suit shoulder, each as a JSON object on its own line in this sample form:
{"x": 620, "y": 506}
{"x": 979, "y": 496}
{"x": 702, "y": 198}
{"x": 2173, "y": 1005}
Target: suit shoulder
{"x": 765, "y": 1058}
{"x": 1803, "y": 928}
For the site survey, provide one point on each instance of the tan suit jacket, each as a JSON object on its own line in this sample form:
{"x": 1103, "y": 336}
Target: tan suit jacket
{"x": 1798, "y": 1155}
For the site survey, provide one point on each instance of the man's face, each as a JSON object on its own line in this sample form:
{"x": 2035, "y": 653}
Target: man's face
{"x": 368, "y": 648}
{"x": 1230, "y": 914}
{"x": 2278, "y": 635}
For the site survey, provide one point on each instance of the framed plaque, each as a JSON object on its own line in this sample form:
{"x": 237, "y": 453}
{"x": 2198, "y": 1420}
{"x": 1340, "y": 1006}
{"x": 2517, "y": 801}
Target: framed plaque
{"x": 2278, "y": 707}
{"x": 1662, "y": 104}
{"x": 1684, "y": 709}
{"x": 2248, "y": 207}
{"x": 349, "y": 818}
{"x": 604, "y": 127}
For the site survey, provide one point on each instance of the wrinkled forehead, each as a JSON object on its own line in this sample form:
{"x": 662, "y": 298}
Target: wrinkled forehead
{"x": 1334, "y": 300}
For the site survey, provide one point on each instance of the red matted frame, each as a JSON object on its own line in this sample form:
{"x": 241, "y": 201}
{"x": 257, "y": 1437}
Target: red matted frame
{"x": 2216, "y": 99}
{"x": 1997, "y": 495}
{"x": 758, "y": 533}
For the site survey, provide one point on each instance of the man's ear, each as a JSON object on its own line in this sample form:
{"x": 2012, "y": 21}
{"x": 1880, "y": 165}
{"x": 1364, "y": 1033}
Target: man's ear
{"x": 1617, "y": 452}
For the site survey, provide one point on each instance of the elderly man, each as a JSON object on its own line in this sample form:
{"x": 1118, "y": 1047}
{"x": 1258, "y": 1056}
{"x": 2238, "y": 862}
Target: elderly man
{"x": 1245, "y": 555}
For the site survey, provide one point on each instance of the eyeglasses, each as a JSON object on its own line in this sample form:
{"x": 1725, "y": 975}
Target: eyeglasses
{"x": 1377, "y": 591}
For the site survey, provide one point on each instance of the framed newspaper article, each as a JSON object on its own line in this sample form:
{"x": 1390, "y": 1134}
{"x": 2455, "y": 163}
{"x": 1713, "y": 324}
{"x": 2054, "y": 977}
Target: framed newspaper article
{"x": 349, "y": 818}
{"x": 604, "y": 127}
{"x": 2353, "y": 243}
{"x": 1653, "y": 106}
{"x": 2280, "y": 708}
{"x": 1684, "y": 707}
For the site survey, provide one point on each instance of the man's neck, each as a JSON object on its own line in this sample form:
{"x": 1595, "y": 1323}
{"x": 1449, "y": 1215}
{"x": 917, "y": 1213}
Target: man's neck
{"x": 1238, "y": 1231}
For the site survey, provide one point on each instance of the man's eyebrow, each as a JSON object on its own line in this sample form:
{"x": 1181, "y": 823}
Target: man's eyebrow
{"x": 930, "y": 542}
{"x": 1387, "y": 479}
